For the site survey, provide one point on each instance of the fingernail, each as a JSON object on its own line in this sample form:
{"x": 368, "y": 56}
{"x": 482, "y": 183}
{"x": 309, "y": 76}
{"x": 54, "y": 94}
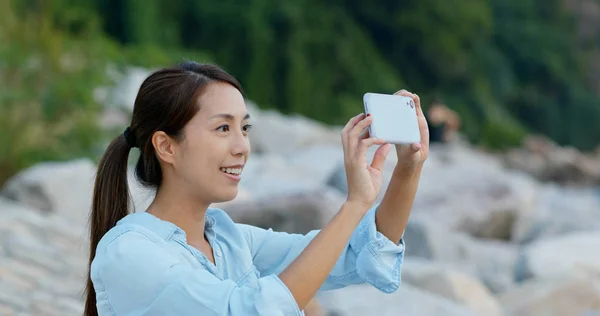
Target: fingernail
{"x": 369, "y": 114}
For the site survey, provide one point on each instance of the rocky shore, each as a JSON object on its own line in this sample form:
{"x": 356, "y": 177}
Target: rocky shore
{"x": 489, "y": 234}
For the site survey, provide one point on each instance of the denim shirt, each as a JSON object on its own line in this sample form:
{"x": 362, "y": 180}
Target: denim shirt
{"x": 143, "y": 266}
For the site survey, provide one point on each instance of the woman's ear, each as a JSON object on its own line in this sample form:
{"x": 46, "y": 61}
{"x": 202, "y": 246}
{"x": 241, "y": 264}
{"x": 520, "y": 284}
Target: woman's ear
{"x": 164, "y": 146}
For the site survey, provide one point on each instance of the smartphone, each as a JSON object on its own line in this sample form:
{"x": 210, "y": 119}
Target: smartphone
{"x": 394, "y": 118}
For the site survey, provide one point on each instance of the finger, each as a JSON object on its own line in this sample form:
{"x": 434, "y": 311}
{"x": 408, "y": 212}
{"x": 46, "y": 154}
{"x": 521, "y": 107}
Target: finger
{"x": 366, "y": 143}
{"x": 413, "y": 96}
{"x": 403, "y": 92}
{"x": 417, "y": 100}
{"x": 351, "y": 123}
{"x": 353, "y": 135}
{"x": 365, "y": 134}
{"x": 415, "y": 147}
{"x": 380, "y": 156}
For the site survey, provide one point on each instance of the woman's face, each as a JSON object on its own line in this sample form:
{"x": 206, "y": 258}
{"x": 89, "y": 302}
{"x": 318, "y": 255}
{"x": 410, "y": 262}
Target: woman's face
{"x": 215, "y": 146}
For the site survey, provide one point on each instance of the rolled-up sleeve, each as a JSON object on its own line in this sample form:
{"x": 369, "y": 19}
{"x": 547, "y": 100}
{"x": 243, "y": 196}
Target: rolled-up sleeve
{"x": 135, "y": 277}
{"x": 379, "y": 260}
{"x": 368, "y": 257}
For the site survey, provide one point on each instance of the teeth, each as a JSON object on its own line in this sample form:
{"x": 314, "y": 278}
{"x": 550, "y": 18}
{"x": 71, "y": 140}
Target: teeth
{"x": 235, "y": 171}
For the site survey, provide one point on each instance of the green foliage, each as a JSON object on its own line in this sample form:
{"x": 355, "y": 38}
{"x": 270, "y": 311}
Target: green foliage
{"x": 511, "y": 62}
{"x": 508, "y": 67}
{"x": 47, "y": 73}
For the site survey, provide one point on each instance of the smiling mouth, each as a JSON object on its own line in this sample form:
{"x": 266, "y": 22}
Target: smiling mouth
{"x": 232, "y": 171}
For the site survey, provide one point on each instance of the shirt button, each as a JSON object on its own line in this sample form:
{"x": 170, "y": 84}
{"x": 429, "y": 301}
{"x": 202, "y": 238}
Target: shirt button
{"x": 218, "y": 253}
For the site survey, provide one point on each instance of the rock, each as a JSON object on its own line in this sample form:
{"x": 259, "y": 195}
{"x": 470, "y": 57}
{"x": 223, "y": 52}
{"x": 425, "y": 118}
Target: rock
{"x": 547, "y": 161}
{"x": 273, "y": 174}
{"x": 37, "y": 275}
{"x": 484, "y": 199}
{"x": 122, "y": 94}
{"x": 55, "y": 187}
{"x": 276, "y": 133}
{"x": 560, "y": 211}
{"x": 568, "y": 256}
{"x": 293, "y": 213}
{"x": 362, "y": 300}
{"x": 553, "y": 297}
{"x": 493, "y": 262}
{"x": 449, "y": 282}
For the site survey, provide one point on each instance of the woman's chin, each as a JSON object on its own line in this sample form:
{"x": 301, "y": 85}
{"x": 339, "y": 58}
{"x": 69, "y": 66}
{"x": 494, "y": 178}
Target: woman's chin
{"x": 226, "y": 195}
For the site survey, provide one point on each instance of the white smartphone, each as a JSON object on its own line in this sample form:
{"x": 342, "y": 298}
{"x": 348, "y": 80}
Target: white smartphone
{"x": 394, "y": 118}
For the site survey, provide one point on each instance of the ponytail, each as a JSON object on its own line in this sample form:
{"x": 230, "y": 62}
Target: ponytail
{"x": 110, "y": 203}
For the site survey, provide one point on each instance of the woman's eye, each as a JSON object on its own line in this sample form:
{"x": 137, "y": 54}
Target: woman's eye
{"x": 223, "y": 128}
{"x": 247, "y": 127}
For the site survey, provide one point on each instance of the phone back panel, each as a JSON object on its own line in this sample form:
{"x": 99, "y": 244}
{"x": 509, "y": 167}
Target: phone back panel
{"x": 394, "y": 118}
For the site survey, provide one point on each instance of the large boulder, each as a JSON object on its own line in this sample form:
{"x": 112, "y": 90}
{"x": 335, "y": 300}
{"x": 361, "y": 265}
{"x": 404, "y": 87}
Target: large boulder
{"x": 547, "y": 161}
{"x": 63, "y": 188}
{"x": 292, "y": 213}
{"x": 567, "y": 256}
{"x": 274, "y": 132}
{"x": 560, "y": 211}
{"x": 273, "y": 174}
{"x": 43, "y": 265}
{"x": 553, "y": 297}
{"x": 464, "y": 189}
{"x": 448, "y": 281}
{"x": 469, "y": 191}
{"x": 492, "y": 262}
{"x": 359, "y": 300}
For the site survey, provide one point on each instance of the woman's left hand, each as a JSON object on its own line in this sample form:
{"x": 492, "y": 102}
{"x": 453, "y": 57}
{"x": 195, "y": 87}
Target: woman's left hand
{"x": 415, "y": 154}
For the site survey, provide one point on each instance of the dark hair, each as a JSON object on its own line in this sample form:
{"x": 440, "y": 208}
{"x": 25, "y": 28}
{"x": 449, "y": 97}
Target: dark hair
{"x": 166, "y": 101}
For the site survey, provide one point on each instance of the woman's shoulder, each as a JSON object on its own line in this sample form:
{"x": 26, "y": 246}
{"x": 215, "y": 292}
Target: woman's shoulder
{"x": 132, "y": 234}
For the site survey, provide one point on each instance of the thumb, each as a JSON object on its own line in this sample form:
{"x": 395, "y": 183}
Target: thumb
{"x": 380, "y": 156}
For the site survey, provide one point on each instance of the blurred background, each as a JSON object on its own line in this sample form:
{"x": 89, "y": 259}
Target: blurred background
{"x": 507, "y": 217}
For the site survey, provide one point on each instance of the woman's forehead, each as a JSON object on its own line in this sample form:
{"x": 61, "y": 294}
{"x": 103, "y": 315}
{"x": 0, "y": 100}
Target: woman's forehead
{"x": 222, "y": 98}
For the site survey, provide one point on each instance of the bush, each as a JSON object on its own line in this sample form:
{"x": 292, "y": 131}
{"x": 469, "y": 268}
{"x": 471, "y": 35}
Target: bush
{"x": 48, "y": 72}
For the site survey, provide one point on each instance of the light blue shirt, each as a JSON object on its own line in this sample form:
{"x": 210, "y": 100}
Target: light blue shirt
{"x": 143, "y": 266}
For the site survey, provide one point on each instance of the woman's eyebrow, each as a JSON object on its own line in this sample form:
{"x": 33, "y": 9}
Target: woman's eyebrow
{"x": 228, "y": 116}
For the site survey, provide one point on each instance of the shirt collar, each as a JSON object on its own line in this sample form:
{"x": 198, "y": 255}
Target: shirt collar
{"x": 164, "y": 229}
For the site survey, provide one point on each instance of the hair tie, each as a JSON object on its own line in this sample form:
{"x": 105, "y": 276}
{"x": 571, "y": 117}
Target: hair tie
{"x": 129, "y": 137}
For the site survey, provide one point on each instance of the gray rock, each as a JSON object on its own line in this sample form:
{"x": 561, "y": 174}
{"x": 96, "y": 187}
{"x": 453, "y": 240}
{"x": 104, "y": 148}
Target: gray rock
{"x": 572, "y": 255}
{"x": 449, "y": 282}
{"x": 547, "y": 161}
{"x": 560, "y": 211}
{"x": 362, "y": 300}
{"x": 276, "y": 133}
{"x": 492, "y": 262}
{"x": 470, "y": 192}
{"x": 273, "y": 174}
{"x": 552, "y": 297}
{"x": 293, "y": 213}
{"x": 122, "y": 94}
{"x": 55, "y": 187}
{"x": 37, "y": 275}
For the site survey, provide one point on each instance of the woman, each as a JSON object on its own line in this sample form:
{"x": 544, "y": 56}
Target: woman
{"x": 181, "y": 257}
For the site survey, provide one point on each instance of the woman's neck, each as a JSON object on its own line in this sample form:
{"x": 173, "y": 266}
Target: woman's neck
{"x": 179, "y": 207}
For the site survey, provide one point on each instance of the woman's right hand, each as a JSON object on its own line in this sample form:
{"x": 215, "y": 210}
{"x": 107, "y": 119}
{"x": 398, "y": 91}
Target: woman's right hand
{"x": 364, "y": 180}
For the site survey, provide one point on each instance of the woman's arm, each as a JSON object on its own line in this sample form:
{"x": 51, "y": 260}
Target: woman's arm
{"x": 305, "y": 275}
{"x": 395, "y": 208}
{"x": 393, "y": 212}
{"x": 339, "y": 253}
